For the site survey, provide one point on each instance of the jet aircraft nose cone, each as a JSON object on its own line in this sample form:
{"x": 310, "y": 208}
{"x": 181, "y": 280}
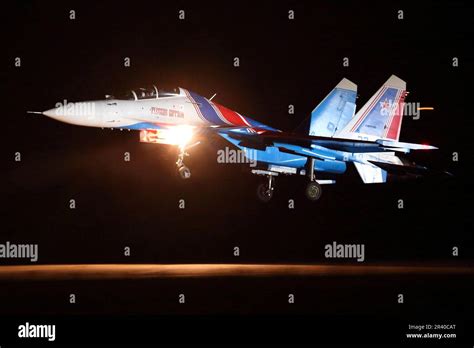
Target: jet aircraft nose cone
{"x": 51, "y": 113}
{"x": 57, "y": 114}
{"x": 79, "y": 113}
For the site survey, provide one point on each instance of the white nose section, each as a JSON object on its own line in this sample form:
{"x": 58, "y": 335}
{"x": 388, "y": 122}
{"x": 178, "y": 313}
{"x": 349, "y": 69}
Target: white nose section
{"x": 53, "y": 113}
{"x": 81, "y": 113}
{"x": 60, "y": 115}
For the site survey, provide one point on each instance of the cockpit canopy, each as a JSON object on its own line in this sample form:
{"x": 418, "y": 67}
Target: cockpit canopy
{"x": 151, "y": 92}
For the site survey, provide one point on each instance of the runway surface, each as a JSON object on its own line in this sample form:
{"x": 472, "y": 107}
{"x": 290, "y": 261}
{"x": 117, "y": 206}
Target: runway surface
{"x": 150, "y": 271}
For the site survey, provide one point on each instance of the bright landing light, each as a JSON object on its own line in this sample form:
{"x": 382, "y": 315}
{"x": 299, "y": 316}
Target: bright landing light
{"x": 179, "y": 135}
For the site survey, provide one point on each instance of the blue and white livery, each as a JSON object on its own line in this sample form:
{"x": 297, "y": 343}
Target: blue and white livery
{"x": 334, "y": 137}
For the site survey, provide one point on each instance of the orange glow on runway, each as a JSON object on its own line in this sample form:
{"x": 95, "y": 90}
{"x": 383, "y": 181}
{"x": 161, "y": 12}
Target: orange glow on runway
{"x": 144, "y": 271}
{"x": 426, "y": 108}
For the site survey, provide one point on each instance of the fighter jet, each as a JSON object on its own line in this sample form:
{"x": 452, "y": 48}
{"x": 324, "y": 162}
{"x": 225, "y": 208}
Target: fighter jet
{"x": 333, "y": 136}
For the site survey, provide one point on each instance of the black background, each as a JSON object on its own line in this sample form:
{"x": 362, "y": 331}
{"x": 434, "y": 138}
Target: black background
{"x": 282, "y": 62}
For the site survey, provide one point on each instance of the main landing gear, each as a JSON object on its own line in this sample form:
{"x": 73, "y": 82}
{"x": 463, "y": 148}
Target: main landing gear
{"x": 313, "y": 190}
{"x": 265, "y": 190}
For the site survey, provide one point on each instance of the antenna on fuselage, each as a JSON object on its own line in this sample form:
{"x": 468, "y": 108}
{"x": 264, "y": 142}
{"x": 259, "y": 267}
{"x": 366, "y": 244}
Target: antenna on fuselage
{"x": 213, "y": 96}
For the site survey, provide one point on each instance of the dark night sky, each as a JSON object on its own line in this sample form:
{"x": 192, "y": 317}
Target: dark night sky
{"x": 282, "y": 62}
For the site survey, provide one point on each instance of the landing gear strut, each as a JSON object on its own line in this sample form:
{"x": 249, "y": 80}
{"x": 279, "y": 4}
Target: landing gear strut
{"x": 313, "y": 189}
{"x": 183, "y": 171}
{"x": 265, "y": 190}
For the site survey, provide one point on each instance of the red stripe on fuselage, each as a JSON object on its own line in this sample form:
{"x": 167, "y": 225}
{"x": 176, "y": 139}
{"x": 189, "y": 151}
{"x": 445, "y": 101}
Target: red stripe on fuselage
{"x": 231, "y": 116}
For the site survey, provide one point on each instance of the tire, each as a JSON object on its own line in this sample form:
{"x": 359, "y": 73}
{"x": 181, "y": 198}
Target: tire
{"x": 313, "y": 191}
{"x": 264, "y": 193}
{"x": 184, "y": 172}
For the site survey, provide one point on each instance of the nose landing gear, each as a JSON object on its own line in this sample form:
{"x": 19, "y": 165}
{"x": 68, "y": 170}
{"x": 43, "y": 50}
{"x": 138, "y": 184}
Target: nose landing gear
{"x": 183, "y": 171}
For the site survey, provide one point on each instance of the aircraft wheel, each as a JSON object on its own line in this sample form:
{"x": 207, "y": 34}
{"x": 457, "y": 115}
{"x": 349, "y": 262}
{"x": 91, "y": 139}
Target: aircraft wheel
{"x": 313, "y": 191}
{"x": 184, "y": 172}
{"x": 264, "y": 193}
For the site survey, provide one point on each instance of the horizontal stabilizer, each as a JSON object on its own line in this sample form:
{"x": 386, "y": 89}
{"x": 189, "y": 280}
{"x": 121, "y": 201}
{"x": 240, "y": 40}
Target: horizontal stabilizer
{"x": 371, "y": 174}
{"x": 410, "y": 169}
{"x": 408, "y": 146}
{"x": 400, "y": 169}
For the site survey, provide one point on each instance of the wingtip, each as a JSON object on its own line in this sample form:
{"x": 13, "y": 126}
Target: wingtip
{"x": 347, "y": 84}
{"x": 395, "y": 81}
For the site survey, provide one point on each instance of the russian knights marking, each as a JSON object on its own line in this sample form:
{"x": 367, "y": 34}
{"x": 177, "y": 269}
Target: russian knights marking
{"x": 379, "y": 113}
